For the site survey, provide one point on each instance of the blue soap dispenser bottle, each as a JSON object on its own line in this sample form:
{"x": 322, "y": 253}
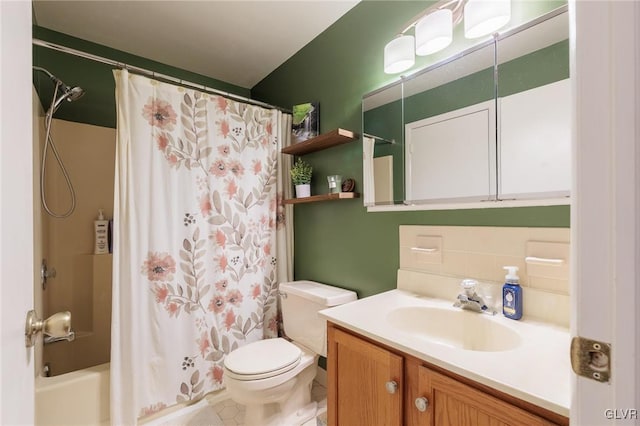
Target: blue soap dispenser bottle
{"x": 512, "y": 294}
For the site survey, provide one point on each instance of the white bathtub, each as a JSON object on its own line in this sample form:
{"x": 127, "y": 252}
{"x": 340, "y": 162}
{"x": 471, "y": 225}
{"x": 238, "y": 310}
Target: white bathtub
{"x": 77, "y": 398}
{"x": 82, "y": 398}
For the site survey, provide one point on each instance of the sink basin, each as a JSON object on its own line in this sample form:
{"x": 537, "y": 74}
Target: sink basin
{"x": 454, "y": 328}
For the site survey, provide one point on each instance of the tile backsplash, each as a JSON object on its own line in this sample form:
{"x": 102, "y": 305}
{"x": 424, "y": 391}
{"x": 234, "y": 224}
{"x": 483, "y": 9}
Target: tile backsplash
{"x": 436, "y": 258}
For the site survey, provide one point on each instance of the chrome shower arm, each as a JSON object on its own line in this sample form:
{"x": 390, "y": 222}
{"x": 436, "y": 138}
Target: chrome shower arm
{"x": 55, "y": 79}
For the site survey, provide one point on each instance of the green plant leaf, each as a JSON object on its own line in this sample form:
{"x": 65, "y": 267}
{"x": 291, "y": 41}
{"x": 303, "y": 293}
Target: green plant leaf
{"x": 301, "y": 172}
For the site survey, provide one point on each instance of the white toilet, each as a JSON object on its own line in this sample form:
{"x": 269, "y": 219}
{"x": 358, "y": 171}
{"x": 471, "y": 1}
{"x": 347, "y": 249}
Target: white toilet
{"x": 273, "y": 377}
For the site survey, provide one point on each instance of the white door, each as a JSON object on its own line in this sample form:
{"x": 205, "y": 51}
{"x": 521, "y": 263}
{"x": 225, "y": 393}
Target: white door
{"x": 16, "y": 213}
{"x": 605, "y": 211}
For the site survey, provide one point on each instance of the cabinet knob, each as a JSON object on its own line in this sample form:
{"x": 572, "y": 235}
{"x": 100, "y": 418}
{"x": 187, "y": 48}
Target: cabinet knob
{"x": 422, "y": 403}
{"x": 391, "y": 386}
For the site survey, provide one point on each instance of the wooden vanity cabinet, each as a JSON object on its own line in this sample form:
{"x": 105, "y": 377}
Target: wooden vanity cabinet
{"x": 454, "y": 403}
{"x": 366, "y": 382}
{"x": 359, "y": 370}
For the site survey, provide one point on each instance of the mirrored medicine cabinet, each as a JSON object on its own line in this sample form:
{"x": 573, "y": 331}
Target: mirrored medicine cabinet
{"x": 490, "y": 125}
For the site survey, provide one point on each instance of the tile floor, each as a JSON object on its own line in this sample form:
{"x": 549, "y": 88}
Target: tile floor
{"x": 232, "y": 414}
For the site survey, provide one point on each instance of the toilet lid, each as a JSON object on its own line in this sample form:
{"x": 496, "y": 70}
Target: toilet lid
{"x": 263, "y": 358}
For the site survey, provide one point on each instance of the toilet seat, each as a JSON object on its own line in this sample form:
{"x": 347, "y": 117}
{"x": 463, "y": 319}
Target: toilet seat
{"x": 262, "y": 359}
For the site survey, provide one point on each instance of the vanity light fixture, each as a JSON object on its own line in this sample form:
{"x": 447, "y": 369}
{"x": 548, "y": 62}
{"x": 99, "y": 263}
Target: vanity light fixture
{"x": 434, "y": 32}
{"x": 484, "y": 17}
{"x": 398, "y": 54}
{"x": 434, "y": 29}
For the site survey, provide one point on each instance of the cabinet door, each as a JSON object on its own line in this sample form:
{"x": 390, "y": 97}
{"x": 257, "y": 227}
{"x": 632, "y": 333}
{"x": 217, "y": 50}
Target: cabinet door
{"x": 456, "y": 404}
{"x": 360, "y": 377}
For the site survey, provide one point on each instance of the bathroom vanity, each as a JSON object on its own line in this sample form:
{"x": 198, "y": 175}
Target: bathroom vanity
{"x": 398, "y": 358}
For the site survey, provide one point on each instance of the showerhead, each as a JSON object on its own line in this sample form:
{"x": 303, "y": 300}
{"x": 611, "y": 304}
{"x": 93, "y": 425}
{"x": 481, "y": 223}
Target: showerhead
{"x": 73, "y": 93}
{"x": 63, "y": 91}
{"x": 69, "y": 93}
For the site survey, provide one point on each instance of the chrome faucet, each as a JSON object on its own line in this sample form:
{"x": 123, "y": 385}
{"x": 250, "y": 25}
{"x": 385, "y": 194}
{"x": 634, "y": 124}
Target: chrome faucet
{"x": 470, "y": 300}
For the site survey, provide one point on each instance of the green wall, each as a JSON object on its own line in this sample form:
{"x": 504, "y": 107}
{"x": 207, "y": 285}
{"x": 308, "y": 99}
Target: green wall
{"x": 338, "y": 242}
{"x": 97, "y": 106}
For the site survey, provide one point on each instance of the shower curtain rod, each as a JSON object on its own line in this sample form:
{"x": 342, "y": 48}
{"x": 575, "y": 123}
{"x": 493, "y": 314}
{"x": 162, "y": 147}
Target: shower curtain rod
{"x": 153, "y": 74}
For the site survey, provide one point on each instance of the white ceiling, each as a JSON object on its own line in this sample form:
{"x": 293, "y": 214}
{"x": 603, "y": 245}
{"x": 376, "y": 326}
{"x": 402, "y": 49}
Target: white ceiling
{"x": 236, "y": 41}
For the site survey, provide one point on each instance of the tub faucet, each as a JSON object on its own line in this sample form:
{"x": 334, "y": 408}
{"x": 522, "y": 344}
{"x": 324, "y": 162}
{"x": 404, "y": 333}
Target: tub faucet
{"x": 470, "y": 300}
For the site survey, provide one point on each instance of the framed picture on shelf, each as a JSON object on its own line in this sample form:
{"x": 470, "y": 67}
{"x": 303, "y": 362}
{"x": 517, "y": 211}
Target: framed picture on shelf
{"x": 306, "y": 121}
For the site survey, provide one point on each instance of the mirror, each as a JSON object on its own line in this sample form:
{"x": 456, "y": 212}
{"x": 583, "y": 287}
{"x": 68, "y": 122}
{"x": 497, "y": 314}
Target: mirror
{"x": 449, "y": 121}
{"x": 460, "y": 132}
{"x": 534, "y": 104}
{"x": 383, "y": 147}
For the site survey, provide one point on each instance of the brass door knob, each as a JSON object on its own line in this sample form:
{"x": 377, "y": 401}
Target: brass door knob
{"x": 57, "y": 325}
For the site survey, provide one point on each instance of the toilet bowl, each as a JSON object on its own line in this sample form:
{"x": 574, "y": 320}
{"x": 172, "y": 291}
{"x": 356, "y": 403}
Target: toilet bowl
{"x": 273, "y": 396}
{"x": 273, "y": 377}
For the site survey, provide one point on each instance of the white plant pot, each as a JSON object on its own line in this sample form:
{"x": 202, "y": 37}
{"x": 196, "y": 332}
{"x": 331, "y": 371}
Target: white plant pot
{"x": 303, "y": 190}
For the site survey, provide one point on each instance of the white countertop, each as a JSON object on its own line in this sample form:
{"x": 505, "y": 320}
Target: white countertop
{"x": 537, "y": 371}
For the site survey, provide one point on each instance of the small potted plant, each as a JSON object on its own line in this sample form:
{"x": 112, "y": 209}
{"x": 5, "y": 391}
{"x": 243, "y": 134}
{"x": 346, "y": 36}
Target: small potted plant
{"x": 301, "y": 177}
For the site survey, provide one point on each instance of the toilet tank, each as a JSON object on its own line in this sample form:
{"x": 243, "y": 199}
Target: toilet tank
{"x": 300, "y": 302}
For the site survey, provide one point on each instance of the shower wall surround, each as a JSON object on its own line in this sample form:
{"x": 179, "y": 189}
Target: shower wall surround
{"x": 83, "y": 281}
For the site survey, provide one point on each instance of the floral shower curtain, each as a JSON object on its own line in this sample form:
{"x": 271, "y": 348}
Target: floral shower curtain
{"x": 199, "y": 241}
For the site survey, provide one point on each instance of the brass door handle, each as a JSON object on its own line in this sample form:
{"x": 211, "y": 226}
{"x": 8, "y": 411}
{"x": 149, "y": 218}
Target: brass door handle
{"x": 57, "y": 325}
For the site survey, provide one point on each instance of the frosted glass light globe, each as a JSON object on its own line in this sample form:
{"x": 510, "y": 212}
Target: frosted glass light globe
{"x": 482, "y": 17}
{"x": 399, "y": 54}
{"x": 434, "y": 32}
